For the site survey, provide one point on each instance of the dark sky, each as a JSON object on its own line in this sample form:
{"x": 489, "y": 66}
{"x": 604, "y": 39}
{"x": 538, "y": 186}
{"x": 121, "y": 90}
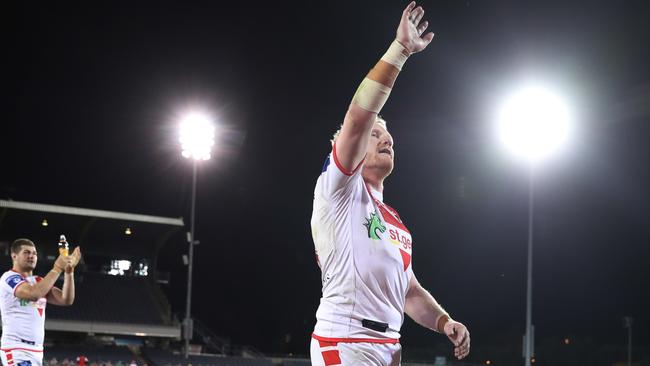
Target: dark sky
{"x": 95, "y": 91}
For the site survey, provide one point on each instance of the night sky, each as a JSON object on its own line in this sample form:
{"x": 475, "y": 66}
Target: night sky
{"x": 95, "y": 91}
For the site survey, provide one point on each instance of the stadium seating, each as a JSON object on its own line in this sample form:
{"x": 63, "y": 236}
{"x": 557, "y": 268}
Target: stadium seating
{"x": 117, "y": 299}
{"x": 95, "y": 354}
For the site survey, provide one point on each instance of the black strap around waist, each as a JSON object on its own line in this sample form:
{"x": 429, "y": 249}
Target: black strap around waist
{"x": 28, "y": 342}
{"x": 374, "y": 325}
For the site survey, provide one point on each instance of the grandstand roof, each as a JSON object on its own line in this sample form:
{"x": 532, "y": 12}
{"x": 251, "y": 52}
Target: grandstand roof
{"x": 102, "y": 307}
{"x": 98, "y": 231}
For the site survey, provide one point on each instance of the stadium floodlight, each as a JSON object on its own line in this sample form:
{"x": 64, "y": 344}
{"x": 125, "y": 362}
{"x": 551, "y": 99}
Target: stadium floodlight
{"x": 196, "y": 136}
{"x": 533, "y": 123}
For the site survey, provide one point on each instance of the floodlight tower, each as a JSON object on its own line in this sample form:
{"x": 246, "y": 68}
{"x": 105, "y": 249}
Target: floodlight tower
{"x": 196, "y": 138}
{"x": 533, "y": 124}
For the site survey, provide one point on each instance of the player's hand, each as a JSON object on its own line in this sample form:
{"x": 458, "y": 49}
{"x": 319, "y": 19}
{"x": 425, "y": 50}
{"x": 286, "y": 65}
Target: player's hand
{"x": 72, "y": 260}
{"x": 459, "y": 336}
{"x": 411, "y": 27}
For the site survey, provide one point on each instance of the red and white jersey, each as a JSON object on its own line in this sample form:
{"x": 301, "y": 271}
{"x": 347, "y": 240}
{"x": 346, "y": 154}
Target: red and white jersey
{"x": 23, "y": 321}
{"x": 364, "y": 251}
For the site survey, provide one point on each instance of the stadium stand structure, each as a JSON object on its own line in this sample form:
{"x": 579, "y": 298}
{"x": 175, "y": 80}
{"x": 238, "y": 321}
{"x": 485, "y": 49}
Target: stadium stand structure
{"x": 128, "y": 301}
{"x": 123, "y": 318}
{"x": 95, "y": 354}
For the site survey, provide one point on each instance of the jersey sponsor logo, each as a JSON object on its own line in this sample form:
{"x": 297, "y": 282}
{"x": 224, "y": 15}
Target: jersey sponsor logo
{"x": 403, "y": 241}
{"x": 39, "y": 305}
{"x": 373, "y": 224}
{"x": 14, "y": 280}
{"x": 400, "y": 239}
{"x": 24, "y": 363}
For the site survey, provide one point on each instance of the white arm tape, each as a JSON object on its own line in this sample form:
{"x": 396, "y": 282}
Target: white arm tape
{"x": 371, "y": 95}
{"x": 396, "y": 55}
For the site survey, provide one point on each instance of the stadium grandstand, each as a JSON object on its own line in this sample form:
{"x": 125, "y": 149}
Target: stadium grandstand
{"x": 121, "y": 315}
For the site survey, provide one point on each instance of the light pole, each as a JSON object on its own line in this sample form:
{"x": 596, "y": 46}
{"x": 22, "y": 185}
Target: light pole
{"x": 533, "y": 123}
{"x": 627, "y": 323}
{"x": 196, "y": 138}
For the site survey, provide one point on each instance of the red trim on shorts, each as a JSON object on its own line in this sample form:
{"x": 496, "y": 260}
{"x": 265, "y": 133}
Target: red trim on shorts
{"x": 330, "y": 357}
{"x": 340, "y": 166}
{"x": 355, "y": 340}
{"x": 20, "y": 349}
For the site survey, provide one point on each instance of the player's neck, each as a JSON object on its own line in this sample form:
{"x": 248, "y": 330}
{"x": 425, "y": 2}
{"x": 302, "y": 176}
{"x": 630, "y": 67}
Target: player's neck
{"x": 23, "y": 272}
{"x": 374, "y": 177}
{"x": 375, "y": 183}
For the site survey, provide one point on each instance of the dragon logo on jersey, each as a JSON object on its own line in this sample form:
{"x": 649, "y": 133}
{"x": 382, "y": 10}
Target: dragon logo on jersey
{"x": 373, "y": 224}
{"x": 39, "y": 305}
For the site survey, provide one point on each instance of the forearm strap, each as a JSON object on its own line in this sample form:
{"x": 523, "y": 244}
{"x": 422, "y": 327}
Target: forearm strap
{"x": 371, "y": 95}
{"x": 396, "y": 55}
{"x": 442, "y": 320}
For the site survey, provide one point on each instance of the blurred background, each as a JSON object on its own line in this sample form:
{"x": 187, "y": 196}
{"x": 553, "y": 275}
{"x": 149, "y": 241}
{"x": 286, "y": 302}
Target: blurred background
{"x": 96, "y": 92}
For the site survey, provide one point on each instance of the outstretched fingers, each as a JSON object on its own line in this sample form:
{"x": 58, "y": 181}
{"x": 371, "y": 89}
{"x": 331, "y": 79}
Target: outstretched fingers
{"x": 411, "y": 29}
{"x": 428, "y": 37}
{"x": 422, "y": 27}
{"x": 416, "y": 15}
{"x": 406, "y": 14}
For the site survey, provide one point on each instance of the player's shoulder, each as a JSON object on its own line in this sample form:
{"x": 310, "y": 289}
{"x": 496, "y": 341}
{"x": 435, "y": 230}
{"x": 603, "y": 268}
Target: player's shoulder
{"x": 9, "y": 273}
{"x": 11, "y": 278}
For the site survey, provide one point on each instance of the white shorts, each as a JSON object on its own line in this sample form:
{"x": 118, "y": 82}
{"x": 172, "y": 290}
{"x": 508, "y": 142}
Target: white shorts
{"x": 21, "y": 357}
{"x": 324, "y": 353}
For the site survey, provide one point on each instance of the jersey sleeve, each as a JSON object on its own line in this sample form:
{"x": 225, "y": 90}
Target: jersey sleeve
{"x": 333, "y": 196}
{"x": 335, "y": 178}
{"x": 11, "y": 281}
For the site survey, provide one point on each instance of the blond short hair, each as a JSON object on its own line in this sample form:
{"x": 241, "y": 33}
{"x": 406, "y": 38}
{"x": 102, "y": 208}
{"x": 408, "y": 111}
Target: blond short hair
{"x": 379, "y": 120}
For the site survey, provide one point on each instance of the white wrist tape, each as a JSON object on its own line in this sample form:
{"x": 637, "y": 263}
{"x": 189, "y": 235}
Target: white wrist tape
{"x": 371, "y": 95}
{"x": 396, "y": 55}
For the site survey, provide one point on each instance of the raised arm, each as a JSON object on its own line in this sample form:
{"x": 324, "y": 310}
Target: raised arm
{"x": 65, "y": 296}
{"x": 33, "y": 292}
{"x": 425, "y": 310}
{"x": 374, "y": 90}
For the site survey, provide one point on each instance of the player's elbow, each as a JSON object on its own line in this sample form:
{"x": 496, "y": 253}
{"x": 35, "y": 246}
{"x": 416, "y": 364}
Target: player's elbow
{"x": 29, "y": 298}
{"x": 68, "y": 301}
{"x": 359, "y": 120}
{"x": 28, "y": 294}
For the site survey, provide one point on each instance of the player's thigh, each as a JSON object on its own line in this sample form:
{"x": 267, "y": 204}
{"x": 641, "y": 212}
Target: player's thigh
{"x": 375, "y": 354}
{"x": 324, "y": 353}
{"x": 3, "y": 358}
{"x": 21, "y": 358}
